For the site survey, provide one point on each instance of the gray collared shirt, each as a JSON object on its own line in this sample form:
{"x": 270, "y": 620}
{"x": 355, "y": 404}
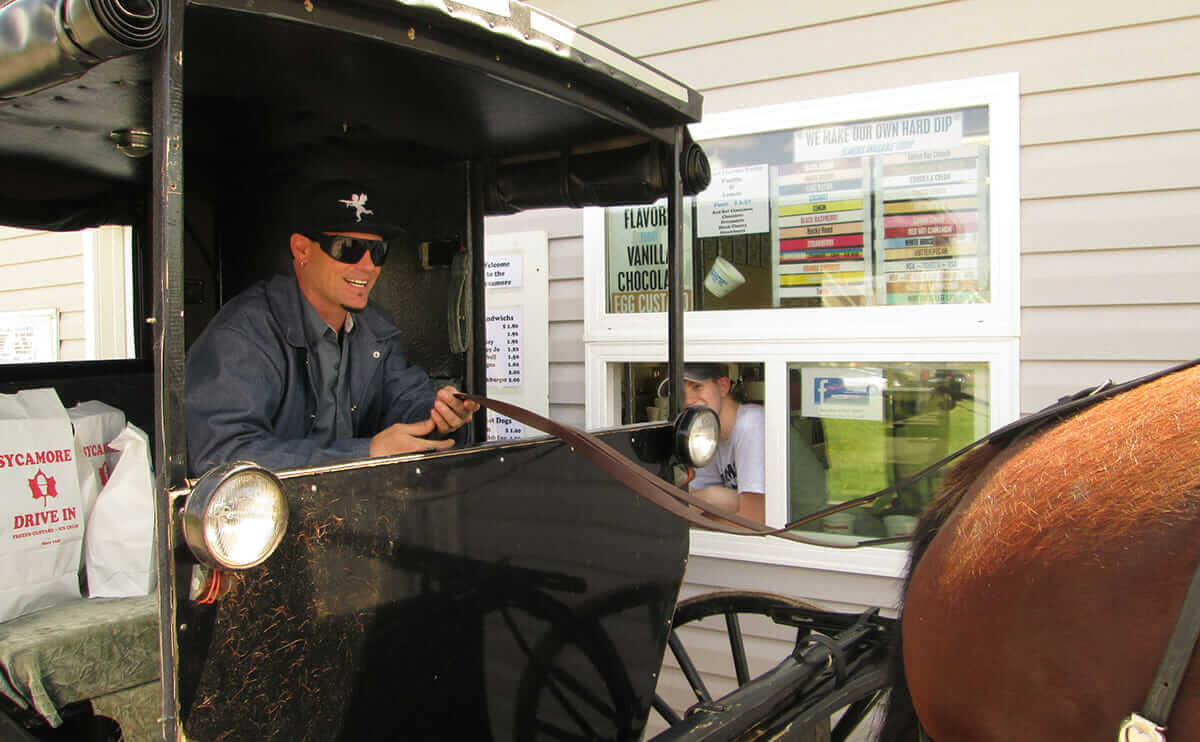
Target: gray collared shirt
{"x": 329, "y": 367}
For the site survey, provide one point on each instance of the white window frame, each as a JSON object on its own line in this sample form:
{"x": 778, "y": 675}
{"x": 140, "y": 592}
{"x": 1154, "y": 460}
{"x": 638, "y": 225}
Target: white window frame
{"x": 1000, "y": 317}
{"x": 958, "y": 333}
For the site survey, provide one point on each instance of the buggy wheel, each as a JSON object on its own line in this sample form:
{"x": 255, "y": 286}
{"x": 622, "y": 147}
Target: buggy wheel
{"x": 809, "y": 718}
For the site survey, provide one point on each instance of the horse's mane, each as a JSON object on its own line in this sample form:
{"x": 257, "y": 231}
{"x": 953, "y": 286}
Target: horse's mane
{"x": 900, "y": 718}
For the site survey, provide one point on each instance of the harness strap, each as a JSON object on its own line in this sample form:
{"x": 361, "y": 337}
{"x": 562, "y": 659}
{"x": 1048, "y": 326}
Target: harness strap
{"x": 1177, "y": 657}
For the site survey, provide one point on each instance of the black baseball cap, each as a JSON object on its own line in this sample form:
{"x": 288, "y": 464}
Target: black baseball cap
{"x": 347, "y": 205}
{"x": 703, "y": 371}
{"x": 695, "y": 372}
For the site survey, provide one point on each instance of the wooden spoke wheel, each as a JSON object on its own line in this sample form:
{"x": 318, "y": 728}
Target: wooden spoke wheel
{"x": 845, "y": 709}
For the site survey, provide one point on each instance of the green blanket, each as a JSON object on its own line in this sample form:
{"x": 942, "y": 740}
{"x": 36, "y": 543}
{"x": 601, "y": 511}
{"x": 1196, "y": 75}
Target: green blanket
{"x": 79, "y": 650}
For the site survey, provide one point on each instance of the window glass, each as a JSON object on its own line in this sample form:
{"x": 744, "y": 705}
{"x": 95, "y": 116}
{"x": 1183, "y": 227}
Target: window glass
{"x": 67, "y": 296}
{"x": 855, "y": 428}
{"x": 636, "y": 258}
{"x": 874, "y": 212}
{"x": 643, "y": 393}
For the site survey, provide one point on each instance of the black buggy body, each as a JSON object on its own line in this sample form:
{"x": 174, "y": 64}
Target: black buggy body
{"x": 499, "y": 590}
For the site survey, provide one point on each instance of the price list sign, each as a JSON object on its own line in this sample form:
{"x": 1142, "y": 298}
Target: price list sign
{"x": 504, "y": 347}
{"x": 503, "y": 428}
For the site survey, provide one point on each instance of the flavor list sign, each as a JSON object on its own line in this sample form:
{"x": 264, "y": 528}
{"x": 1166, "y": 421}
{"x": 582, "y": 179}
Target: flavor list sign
{"x": 925, "y": 131}
{"x": 637, "y": 258}
{"x": 737, "y": 202}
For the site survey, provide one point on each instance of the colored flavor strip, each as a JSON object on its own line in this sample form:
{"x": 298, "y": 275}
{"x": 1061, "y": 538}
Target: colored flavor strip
{"x": 959, "y": 218}
{"x": 916, "y": 287}
{"x": 818, "y": 230}
{"x": 931, "y": 276}
{"x": 821, "y": 242}
{"x": 930, "y": 230}
{"x": 925, "y": 192}
{"x": 824, "y": 185}
{"x": 812, "y": 198}
{"x": 937, "y": 204}
{"x": 820, "y": 176}
{"x": 931, "y": 166}
{"x": 813, "y": 279}
{"x": 820, "y": 207}
{"x": 849, "y": 253}
{"x": 934, "y": 251}
{"x": 941, "y": 297}
{"x": 839, "y": 267}
{"x": 837, "y": 289}
{"x": 924, "y": 155}
{"x": 794, "y": 168}
{"x": 829, "y": 217}
{"x": 928, "y": 179}
{"x": 958, "y": 239}
{"x": 949, "y": 264}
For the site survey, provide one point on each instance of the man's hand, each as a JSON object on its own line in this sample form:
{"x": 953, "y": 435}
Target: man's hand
{"x": 449, "y": 413}
{"x": 407, "y": 438}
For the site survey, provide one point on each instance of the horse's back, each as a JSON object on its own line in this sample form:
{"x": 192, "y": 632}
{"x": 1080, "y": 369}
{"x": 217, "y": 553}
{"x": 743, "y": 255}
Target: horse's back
{"x": 1042, "y": 606}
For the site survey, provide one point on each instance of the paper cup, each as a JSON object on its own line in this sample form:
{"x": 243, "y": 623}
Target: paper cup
{"x": 842, "y": 523}
{"x": 899, "y": 525}
{"x": 723, "y": 277}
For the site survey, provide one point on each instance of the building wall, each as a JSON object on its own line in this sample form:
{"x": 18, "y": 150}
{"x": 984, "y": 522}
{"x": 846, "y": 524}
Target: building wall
{"x": 564, "y": 228}
{"x": 40, "y": 270}
{"x": 1110, "y": 171}
{"x": 1110, "y": 140}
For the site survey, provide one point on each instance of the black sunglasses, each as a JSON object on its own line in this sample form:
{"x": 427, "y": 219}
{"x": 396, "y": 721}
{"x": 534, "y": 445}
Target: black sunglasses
{"x": 351, "y": 249}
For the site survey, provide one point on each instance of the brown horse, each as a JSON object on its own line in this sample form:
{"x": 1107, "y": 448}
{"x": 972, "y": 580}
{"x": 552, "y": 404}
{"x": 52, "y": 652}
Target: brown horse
{"x": 1047, "y": 577}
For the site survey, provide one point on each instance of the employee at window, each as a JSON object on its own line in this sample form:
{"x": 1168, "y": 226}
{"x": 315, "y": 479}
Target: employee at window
{"x": 735, "y": 478}
{"x": 302, "y": 369}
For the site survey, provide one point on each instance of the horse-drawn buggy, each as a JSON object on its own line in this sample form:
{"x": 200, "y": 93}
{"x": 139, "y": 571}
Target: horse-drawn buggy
{"x": 488, "y": 589}
{"x": 483, "y": 590}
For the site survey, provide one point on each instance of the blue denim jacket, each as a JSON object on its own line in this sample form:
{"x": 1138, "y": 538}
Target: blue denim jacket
{"x": 250, "y": 394}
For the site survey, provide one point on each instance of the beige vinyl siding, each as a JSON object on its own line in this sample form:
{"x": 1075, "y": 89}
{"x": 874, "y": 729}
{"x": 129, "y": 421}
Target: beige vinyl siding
{"x": 44, "y": 270}
{"x": 1110, "y": 133}
{"x": 564, "y": 228}
{"x": 1110, "y": 172}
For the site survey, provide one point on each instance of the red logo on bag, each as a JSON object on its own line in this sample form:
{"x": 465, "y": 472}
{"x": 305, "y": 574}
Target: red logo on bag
{"x": 43, "y": 486}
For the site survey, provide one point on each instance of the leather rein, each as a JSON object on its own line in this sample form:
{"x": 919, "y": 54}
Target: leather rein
{"x": 1147, "y": 726}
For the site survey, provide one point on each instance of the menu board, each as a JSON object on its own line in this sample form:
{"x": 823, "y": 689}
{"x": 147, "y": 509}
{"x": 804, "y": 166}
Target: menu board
{"x": 931, "y": 226}
{"x": 504, "y": 347}
{"x": 821, "y": 227}
{"x": 887, "y": 211}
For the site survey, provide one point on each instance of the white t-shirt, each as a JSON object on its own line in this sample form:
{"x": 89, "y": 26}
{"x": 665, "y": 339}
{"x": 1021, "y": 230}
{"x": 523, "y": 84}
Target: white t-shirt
{"x": 739, "y": 461}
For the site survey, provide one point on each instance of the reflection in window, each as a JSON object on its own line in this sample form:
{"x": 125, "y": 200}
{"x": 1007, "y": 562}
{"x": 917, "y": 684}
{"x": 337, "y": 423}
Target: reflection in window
{"x": 877, "y": 212}
{"x": 859, "y": 427}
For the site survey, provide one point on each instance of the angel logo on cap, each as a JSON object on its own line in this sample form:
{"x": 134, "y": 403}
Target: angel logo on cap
{"x": 358, "y": 202}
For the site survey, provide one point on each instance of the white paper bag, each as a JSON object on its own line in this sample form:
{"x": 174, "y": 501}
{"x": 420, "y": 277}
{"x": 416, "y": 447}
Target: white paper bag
{"x": 40, "y": 504}
{"x": 95, "y": 424}
{"x": 118, "y": 550}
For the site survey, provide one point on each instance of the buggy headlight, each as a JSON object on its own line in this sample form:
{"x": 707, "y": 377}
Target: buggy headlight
{"x": 697, "y": 431}
{"x": 235, "y": 516}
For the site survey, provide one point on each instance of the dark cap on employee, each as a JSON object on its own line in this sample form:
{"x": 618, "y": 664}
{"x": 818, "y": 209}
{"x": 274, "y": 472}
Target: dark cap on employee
{"x": 703, "y": 371}
{"x": 347, "y": 205}
{"x": 695, "y": 372}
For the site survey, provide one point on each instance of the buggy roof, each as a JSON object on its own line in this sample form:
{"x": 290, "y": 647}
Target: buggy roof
{"x": 427, "y": 80}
